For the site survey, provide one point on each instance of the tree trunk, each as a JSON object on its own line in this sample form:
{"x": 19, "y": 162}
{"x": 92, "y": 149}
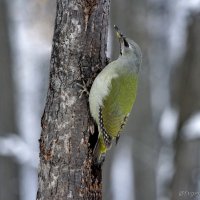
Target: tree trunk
{"x": 67, "y": 170}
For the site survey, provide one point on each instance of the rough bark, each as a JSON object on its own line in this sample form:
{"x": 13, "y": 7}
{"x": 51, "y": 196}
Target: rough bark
{"x": 66, "y": 168}
{"x": 9, "y": 169}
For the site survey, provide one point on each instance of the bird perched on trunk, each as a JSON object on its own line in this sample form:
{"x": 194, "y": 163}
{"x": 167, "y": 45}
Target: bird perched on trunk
{"x": 113, "y": 94}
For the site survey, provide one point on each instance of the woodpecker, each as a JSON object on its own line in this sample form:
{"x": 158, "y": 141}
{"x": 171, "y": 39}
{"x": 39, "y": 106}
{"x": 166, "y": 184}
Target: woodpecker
{"x": 113, "y": 94}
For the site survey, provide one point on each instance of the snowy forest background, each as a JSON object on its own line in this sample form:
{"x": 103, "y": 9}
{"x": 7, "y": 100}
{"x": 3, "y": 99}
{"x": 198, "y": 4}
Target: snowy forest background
{"x": 158, "y": 157}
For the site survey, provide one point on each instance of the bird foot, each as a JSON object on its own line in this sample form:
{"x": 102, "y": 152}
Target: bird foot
{"x": 83, "y": 89}
{"x": 117, "y": 139}
{"x": 91, "y": 128}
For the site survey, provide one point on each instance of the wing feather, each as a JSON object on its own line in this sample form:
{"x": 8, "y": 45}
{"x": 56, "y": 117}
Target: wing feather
{"x": 118, "y": 104}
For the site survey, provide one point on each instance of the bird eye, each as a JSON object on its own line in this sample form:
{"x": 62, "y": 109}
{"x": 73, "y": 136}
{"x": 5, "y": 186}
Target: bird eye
{"x": 126, "y": 43}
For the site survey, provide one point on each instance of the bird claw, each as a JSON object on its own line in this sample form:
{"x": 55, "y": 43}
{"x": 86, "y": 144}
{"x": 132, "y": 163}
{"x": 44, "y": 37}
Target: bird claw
{"x": 101, "y": 159}
{"x": 91, "y": 129}
{"x": 83, "y": 89}
{"x": 117, "y": 139}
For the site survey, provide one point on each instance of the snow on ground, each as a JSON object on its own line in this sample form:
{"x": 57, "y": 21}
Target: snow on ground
{"x": 168, "y": 124}
{"x": 191, "y": 128}
{"x": 14, "y": 146}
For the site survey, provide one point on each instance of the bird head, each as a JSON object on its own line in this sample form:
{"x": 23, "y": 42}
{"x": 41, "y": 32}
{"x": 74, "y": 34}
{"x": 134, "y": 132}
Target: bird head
{"x": 127, "y": 46}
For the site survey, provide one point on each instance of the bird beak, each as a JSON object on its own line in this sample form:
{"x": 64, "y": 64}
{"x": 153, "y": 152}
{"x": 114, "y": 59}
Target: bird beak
{"x": 119, "y": 34}
{"x": 121, "y": 37}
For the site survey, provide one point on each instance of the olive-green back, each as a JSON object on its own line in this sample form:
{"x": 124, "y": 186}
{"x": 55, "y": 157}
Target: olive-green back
{"x": 118, "y": 104}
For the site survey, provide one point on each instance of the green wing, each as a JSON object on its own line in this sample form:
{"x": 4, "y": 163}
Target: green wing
{"x": 118, "y": 104}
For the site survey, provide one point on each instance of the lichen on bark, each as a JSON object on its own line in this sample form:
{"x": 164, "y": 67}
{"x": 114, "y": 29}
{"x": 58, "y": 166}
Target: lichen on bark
{"x": 66, "y": 169}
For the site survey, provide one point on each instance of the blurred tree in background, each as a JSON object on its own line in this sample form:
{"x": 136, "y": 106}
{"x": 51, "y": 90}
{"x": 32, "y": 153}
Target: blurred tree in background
{"x": 9, "y": 169}
{"x": 26, "y": 34}
{"x": 158, "y": 156}
{"x": 186, "y": 97}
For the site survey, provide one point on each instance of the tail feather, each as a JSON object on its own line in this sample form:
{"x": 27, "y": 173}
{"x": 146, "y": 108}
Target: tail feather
{"x": 99, "y": 151}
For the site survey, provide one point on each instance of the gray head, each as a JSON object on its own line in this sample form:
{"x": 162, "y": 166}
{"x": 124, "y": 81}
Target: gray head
{"x": 128, "y": 47}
